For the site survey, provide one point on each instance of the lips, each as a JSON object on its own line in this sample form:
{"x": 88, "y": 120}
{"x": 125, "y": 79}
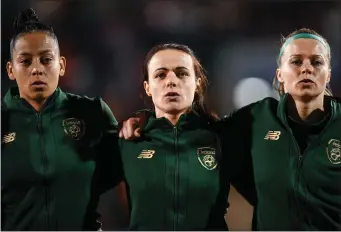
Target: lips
{"x": 306, "y": 81}
{"x": 172, "y": 94}
{"x": 38, "y": 83}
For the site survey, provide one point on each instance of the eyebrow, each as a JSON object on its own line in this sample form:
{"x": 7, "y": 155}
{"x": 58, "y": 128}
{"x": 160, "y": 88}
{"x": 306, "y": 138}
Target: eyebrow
{"x": 165, "y": 69}
{"x": 314, "y": 55}
{"x": 40, "y": 53}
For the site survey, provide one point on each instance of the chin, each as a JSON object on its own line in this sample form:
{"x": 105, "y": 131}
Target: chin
{"x": 175, "y": 109}
{"x": 40, "y": 95}
{"x": 307, "y": 94}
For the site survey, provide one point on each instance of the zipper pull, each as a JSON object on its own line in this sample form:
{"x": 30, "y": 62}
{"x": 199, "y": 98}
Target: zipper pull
{"x": 39, "y": 121}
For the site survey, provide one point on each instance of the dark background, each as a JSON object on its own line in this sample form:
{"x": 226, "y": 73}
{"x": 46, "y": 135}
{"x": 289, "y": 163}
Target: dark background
{"x": 105, "y": 41}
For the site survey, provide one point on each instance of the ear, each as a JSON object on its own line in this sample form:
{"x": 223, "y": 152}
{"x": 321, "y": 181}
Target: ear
{"x": 279, "y": 75}
{"x": 9, "y": 69}
{"x": 62, "y": 63}
{"x": 146, "y": 88}
{"x": 329, "y": 75}
{"x": 198, "y": 82}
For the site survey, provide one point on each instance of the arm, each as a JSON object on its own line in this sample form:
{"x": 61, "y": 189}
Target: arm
{"x": 113, "y": 205}
{"x": 237, "y": 167}
{"x": 109, "y": 159}
{"x": 131, "y": 128}
{"x": 216, "y": 219}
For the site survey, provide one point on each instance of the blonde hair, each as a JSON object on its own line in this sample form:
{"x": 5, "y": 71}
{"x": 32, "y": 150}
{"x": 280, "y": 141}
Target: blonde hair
{"x": 278, "y": 85}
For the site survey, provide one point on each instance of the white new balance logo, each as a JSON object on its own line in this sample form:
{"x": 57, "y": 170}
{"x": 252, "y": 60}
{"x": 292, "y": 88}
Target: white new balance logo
{"x": 146, "y": 154}
{"x": 8, "y": 138}
{"x": 272, "y": 135}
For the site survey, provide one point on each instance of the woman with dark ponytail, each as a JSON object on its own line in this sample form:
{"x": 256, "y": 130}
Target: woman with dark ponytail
{"x": 172, "y": 171}
{"x": 57, "y": 148}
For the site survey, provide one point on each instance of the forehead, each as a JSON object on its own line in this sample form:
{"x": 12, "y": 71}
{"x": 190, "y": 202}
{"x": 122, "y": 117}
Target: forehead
{"x": 170, "y": 58}
{"x": 35, "y": 41}
{"x": 306, "y": 47}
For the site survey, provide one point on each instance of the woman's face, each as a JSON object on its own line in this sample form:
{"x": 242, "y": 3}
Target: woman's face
{"x": 171, "y": 81}
{"x": 305, "y": 69}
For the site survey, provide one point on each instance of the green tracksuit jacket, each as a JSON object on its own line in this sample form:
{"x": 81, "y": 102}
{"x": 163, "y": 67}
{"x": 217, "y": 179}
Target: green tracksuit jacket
{"x": 297, "y": 189}
{"x": 55, "y": 163}
{"x": 172, "y": 176}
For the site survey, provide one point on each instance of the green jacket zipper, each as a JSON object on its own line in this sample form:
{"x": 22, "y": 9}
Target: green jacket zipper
{"x": 300, "y": 163}
{"x": 176, "y": 180}
{"x": 45, "y": 163}
{"x": 297, "y": 173}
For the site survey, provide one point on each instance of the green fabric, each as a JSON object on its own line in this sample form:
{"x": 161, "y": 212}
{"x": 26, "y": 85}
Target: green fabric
{"x": 294, "y": 191}
{"x": 305, "y": 133}
{"x": 60, "y": 161}
{"x": 172, "y": 178}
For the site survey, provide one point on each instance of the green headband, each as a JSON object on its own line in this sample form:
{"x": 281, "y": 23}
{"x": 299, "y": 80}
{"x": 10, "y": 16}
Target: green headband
{"x": 301, "y": 36}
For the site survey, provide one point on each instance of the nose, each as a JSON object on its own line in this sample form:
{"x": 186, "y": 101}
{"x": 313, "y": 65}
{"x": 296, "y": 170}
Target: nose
{"x": 307, "y": 68}
{"x": 37, "y": 68}
{"x": 172, "y": 79}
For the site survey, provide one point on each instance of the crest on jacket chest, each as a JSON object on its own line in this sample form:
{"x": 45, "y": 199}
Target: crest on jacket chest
{"x": 73, "y": 127}
{"x": 206, "y": 157}
{"x": 333, "y": 151}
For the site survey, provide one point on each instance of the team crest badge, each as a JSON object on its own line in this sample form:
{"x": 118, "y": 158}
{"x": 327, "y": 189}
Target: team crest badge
{"x": 74, "y": 128}
{"x": 334, "y": 151}
{"x": 206, "y": 156}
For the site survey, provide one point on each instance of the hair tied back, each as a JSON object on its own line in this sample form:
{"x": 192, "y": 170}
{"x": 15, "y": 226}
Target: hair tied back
{"x": 25, "y": 18}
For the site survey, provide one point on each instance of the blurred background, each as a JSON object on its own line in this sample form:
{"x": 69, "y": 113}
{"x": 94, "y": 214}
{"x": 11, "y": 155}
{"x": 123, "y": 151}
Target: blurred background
{"x": 237, "y": 41}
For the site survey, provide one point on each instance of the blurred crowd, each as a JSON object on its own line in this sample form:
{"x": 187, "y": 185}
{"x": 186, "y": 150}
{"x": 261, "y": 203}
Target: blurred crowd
{"x": 105, "y": 41}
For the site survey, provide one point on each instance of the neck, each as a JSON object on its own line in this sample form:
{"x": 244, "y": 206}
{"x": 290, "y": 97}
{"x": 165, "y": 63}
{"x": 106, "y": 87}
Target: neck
{"x": 312, "y": 110}
{"x": 37, "y": 102}
{"x": 172, "y": 117}
{"x": 38, "y": 106}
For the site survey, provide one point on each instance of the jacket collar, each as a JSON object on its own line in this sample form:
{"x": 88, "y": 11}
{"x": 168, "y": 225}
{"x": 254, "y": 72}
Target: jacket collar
{"x": 14, "y": 102}
{"x": 186, "y": 121}
{"x": 335, "y": 108}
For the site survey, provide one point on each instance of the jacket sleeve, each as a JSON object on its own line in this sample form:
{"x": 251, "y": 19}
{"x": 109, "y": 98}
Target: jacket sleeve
{"x": 217, "y": 215}
{"x": 146, "y": 113}
{"x": 109, "y": 163}
{"x": 237, "y": 167}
